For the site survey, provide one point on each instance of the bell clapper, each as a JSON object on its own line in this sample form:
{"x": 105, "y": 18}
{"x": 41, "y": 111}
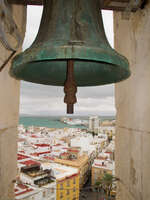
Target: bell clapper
{"x": 70, "y": 87}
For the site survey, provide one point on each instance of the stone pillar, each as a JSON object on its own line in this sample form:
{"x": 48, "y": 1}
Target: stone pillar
{"x": 132, "y": 39}
{"x": 9, "y": 106}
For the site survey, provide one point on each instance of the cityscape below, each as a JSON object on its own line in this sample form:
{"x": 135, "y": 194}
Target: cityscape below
{"x": 65, "y": 158}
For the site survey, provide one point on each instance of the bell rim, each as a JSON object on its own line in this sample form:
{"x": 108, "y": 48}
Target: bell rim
{"x": 15, "y": 72}
{"x": 75, "y": 52}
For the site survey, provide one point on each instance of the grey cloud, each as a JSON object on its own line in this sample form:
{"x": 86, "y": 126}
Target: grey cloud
{"x": 96, "y": 92}
{"x": 108, "y": 22}
{"x": 56, "y": 106}
{"x": 43, "y": 104}
{"x": 36, "y": 90}
{"x": 34, "y": 14}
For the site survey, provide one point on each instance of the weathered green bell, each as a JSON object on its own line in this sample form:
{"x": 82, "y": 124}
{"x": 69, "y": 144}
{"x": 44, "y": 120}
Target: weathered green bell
{"x": 71, "y": 34}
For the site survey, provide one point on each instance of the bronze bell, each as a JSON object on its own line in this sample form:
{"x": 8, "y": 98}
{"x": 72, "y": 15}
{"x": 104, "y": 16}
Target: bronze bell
{"x": 71, "y": 49}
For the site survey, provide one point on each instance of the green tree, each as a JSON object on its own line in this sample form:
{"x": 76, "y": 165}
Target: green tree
{"x": 106, "y": 183}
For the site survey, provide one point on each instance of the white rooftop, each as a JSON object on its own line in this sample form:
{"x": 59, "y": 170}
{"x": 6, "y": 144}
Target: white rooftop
{"x": 60, "y": 171}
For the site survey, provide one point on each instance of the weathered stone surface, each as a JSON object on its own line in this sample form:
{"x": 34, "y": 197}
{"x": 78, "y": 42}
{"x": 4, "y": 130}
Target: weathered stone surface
{"x": 132, "y": 39}
{"x": 145, "y": 165}
{"x": 9, "y": 100}
{"x": 129, "y": 155}
{"x": 9, "y": 107}
{"x": 8, "y": 160}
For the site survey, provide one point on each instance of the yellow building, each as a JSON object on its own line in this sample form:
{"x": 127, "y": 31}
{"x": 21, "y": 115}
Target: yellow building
{"x": 99, "y": 168}
{"x": 67, "y": 181}
{"x": 68, "y": 188}
{"x": 81, "y": 163}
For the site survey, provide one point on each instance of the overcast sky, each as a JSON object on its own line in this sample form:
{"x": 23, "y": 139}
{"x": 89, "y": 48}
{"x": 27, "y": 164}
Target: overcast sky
{"x": 39, "y": 99}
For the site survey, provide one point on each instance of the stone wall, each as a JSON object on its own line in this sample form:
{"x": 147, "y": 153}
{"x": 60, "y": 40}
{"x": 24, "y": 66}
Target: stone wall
{"x": 9, "y": 108}
{"x": 132, "y": 39}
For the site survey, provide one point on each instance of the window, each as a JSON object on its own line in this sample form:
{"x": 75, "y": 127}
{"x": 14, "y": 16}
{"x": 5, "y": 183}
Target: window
{"x": 74, "y": 181}
{"x": 68, "y": 183}
{"x": 52, "y": 190}
{"x": 74, "y": 189}
{"x": 61, "y": 186}
{"x": 68, "y": 192}
{"x": 74, "y": 197}
{"x": 48, "y": 193}
{"x": 44, "y": 194}
{"x": 61, "y": 195}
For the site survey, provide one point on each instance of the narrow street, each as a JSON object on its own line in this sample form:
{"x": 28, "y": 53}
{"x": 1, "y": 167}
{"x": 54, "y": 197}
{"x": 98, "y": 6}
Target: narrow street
{"x": 87, "y": 194}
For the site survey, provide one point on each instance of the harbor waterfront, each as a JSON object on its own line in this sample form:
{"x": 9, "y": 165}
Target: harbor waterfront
{"x": 54, "y": 121}
{"x": 64, "y": 158}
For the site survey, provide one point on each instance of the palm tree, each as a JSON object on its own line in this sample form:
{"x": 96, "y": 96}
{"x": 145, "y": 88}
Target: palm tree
{"x": 106, "y": 183}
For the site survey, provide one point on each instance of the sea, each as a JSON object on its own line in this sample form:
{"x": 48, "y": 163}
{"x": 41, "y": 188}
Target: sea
{"x": 54, "y": 121}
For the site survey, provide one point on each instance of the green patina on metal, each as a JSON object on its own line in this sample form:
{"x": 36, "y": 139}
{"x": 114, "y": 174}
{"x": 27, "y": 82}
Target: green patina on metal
{"x": 71, "y": 29}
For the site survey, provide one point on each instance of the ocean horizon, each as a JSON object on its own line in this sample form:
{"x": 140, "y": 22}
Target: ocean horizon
{"x": 54, "y": 121}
